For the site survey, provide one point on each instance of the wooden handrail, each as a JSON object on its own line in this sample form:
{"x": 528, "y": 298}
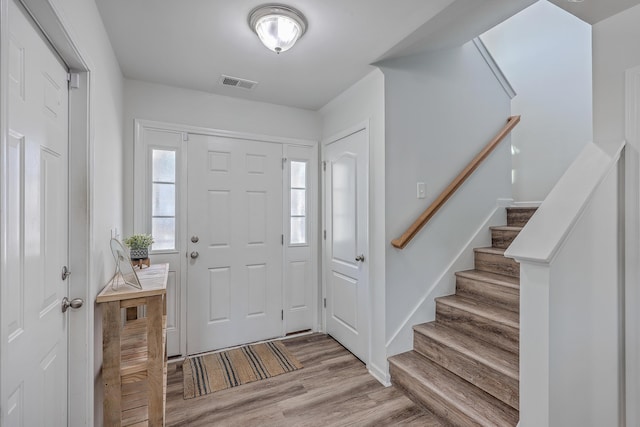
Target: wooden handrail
{"x": 411, "y": 232}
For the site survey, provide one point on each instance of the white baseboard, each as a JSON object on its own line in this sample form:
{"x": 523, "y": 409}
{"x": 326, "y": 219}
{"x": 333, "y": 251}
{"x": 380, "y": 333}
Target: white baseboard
{"x": 442, "y": 286}
{"x": 379, "y": 374}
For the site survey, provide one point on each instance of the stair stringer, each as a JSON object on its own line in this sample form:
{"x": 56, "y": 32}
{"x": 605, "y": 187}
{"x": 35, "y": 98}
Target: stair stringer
{"x": 425, "y": 309}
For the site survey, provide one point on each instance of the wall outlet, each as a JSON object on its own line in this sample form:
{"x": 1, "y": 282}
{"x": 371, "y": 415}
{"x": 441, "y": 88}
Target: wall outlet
{"x": 421, "y": 192}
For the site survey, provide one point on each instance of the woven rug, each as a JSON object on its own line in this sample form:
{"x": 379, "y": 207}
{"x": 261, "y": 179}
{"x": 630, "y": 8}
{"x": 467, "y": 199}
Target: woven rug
{"x": 218, "y": 371}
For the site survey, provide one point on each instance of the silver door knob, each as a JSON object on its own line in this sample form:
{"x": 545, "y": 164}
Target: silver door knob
{"x": 74, "y": 303}
{"x": 195, "y": 239}
{"x": 194, "y": 255}
{"x": 360, "y": 258}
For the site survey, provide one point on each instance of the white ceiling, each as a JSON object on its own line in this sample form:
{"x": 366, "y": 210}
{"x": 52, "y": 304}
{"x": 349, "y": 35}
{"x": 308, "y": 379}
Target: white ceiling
{"x": 190, "y": 43}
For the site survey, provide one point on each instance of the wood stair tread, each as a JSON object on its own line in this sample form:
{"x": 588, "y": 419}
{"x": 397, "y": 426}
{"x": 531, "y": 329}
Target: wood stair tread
{"x": 479, "y": 308}
{"x": 486, "y": 276}
{"x": 506, "y": 228}
{"x": 452, "y": 391}
{"x": 500, "y": 360}
{"x": 490, "y": 250}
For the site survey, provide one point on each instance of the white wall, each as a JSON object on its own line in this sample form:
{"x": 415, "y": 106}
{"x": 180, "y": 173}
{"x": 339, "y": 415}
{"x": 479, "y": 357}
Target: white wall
{"x": 85, "y": 25}
{"x": 545, "y": 53}
{"x": 615, "y": 50}
{"x": 188, "y": 107}
{"x": 442, "y": 108}
{"x": 365, "y": 101}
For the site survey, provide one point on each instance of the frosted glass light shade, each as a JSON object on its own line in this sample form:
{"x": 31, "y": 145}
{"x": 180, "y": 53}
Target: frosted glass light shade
{"x": 277, "y": 26}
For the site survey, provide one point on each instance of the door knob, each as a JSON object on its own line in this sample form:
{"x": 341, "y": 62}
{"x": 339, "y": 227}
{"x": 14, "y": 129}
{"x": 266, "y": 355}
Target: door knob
{"x": 74, "y": 303}
{"x": 360, "y": 258}
{"x": 195, "y": 239}
{"x": 194, "y": 255}
{"x": 65, "y": 272}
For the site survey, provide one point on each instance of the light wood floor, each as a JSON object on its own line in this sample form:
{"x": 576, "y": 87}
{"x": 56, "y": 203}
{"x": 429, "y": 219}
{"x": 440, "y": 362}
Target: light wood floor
{"x": 333, "y": 389}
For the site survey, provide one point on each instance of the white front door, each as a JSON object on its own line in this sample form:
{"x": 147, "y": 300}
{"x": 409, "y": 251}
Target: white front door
{"x": 234, "y": 276}
{"x": 346, "y": 224}
{"x": 34, "y": 374}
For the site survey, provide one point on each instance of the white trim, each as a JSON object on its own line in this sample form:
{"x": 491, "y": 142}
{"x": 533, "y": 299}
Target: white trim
{"x": 494, "y": 67}
{"x": 176, "y": 127}
{"x": 480, "y": 238}
{"x": 526, "y": 204}
{"x": 81, "y": 330}
{"x": 542, "y": 238}
{"x": 382, "y": 375}
{"x": 632, "y": 246}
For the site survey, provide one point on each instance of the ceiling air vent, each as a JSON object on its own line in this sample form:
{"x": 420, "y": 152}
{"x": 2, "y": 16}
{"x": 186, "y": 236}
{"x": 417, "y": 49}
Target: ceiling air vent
{"x": 237, "y": 82}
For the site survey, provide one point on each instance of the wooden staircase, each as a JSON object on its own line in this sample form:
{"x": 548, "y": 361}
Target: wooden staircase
{"x": 464, "y": 365}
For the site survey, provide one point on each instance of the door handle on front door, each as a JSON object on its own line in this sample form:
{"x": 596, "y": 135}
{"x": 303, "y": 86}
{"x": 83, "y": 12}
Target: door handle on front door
{"x": 194, "y": 255}
{"x": 74, "y": 303}
{"x": 360, "y": 258}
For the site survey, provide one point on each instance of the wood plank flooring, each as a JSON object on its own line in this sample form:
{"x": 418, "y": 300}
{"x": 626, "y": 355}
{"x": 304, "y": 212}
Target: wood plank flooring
{"x": 333, "y": 389}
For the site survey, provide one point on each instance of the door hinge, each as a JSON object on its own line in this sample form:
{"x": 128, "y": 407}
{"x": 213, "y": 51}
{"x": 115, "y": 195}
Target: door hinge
{"x": 281, "y": 314}
{"x": 282, "y": 239}
{"x": 74, "y": 80}
{"x": 325, "y": 303}
{"x": 284, "y": 161}
{"x": 325, "y": 234}
{"x": 324, "y": 166}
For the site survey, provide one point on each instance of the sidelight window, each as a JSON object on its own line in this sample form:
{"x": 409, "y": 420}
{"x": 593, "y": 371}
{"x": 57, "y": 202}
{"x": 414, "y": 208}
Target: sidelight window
{"x": 298, "y": 203}
{"x": 163, "y": 199}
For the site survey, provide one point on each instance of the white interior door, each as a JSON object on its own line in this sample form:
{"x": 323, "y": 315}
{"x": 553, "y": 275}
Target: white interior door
{"x": 346, "y": 246}
{"x": 34, "y": 374}
{"x": 234, "y": 275}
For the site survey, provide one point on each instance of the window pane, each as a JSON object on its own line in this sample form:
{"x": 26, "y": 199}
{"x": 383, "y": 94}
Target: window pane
{"x": 298, "y": 202}
{"x": 298, "y": 230}
{"x": 164, "y": 200}
{"x": 298, "y": 174}
{"x": 163, "y": 231}
{"x": 164, "y": 166}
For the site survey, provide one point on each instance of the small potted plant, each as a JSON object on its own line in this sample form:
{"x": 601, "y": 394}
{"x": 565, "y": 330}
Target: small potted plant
{"x": 138, "y": 245}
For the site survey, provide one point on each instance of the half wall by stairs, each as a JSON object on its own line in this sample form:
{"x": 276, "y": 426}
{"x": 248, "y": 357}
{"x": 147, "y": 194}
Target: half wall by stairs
{"x": 464, "y": 365}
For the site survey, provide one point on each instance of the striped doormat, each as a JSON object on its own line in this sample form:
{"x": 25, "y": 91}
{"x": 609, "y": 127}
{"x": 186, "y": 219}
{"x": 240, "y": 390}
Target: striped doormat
{"x": 218, "y": 371}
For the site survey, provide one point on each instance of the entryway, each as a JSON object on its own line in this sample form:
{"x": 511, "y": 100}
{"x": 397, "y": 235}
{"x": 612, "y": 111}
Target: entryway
{"x": 236, "y": 218}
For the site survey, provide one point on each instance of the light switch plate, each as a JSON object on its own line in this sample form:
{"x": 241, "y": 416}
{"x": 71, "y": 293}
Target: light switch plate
{"x": 421, "y": 190}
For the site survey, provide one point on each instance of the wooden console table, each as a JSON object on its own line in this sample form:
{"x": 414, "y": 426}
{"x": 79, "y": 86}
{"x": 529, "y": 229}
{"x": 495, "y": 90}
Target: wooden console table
{"x": 134, "y": 366}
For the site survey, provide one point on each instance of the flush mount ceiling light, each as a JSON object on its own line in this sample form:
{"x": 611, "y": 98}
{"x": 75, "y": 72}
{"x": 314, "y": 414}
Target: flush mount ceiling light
{"x": 278, "y": 26}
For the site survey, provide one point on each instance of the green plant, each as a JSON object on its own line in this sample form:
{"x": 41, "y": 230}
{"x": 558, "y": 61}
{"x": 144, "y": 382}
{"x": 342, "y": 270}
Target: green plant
{"x": 139, "y": 241}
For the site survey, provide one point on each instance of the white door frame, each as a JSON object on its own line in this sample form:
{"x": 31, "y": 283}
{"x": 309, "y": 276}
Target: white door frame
{"x": 142, "y": 223}
{"x": 632, "y": 247}
{"x": 363, "y": 126}
{"x": 81, "y": 324}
